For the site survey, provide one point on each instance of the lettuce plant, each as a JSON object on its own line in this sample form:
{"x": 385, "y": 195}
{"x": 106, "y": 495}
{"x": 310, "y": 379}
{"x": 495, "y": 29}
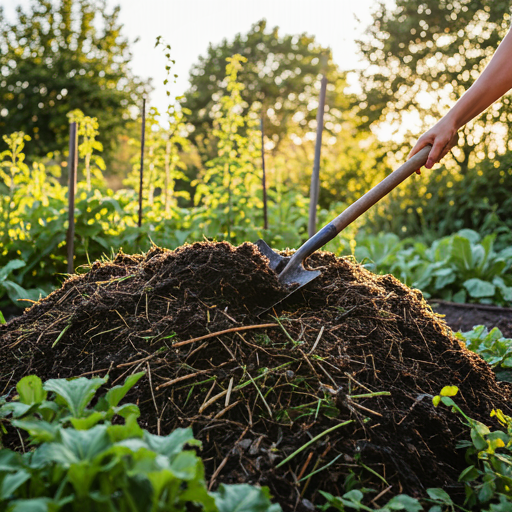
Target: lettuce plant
{"x": 83, "y": 458}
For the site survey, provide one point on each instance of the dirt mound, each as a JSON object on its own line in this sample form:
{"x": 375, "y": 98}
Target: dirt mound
{"x": 262, "y": 390}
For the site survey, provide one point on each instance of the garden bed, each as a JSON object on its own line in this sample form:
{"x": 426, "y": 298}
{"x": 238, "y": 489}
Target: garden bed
{"x": 350, "y": 361}
{"x": 463, "y": 317}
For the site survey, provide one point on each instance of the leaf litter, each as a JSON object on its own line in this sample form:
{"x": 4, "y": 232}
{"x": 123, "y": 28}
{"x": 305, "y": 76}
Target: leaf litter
{"x": 336, "y": 380}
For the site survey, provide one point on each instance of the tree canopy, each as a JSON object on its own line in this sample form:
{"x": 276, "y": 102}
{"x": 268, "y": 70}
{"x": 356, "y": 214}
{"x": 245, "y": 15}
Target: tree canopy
{"x": 422, "y": 57}
{"x": 59, "y": 56}
{"x": 281, "y": 74}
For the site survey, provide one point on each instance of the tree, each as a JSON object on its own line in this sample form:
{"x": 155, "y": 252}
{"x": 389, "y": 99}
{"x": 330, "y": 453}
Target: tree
{"x": 281, "y": 75}
{"x": 59, "y": 56}
{"x": 422, "y": 57}
{"x": 229, "y": 187}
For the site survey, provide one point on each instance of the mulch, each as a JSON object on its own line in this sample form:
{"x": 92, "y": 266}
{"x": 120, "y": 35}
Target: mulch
{"x": 257, "y": 388}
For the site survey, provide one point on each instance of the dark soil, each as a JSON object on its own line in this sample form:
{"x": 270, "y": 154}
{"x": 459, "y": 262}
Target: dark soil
{"x": 463, "y": 317}
{"x": 353, "y": 333}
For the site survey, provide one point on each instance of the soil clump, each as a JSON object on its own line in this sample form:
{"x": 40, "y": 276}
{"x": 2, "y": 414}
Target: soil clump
{"x": 260, "y": 391}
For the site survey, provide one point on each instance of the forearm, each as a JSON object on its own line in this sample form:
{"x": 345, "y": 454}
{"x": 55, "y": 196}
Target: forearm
{"x": 492, "y": 84}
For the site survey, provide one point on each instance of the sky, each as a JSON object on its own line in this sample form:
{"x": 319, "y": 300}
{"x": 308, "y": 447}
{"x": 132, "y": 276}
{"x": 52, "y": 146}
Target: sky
{"x": 189, "y": 26}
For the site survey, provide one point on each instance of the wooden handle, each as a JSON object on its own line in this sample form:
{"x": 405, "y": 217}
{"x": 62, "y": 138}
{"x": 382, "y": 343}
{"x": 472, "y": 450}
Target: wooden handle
{"x": 328, "y": 232}
{"x": 381, "y": 190}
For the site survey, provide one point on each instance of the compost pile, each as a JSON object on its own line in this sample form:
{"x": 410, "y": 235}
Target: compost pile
{"x": 260, "y": 391}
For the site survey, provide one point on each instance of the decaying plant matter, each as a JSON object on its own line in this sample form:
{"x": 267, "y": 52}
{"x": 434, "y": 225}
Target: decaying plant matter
{"x": 337, "y": 379}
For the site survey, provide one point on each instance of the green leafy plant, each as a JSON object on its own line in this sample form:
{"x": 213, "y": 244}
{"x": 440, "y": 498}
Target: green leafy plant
{"x": 83, "y": 460}
{"x": 87, "y": 130}
{"x": 16, "y": 293}
{"x": 462, "y": 267}
{"x": 488, "y": 480}
{"x": 492, "y": 346}
{"x": 230, "y": 185}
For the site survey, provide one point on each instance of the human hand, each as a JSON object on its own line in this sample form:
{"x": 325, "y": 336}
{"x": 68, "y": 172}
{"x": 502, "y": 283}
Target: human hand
{"x": 442, "y": 137}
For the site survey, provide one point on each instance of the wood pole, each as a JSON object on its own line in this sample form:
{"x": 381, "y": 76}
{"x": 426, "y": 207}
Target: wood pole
{"x": 264, "y": 177}
{"x": 142, "y": 141}
{"x": 72, "y": 166}
{"x": 315, "y": 177}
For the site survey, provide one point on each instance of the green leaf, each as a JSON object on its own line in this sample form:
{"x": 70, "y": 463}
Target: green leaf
{"x": 2, "y": 318}
{"x": 11, "y": 482}
{"x": 39, "y": 431}
{"x": 9, "y": 460}
{"x": 478, "y": 288}
{"x": 461, "y": 253}
{"x": 17, "y": 409}
{"x": 89, "y": 421}
{"x": 173, "y": 443}
{"x": 486, "y": 492}
{"x": 75, "y": 394}
{"x": 117, "y": 393}
{"x": 74, "y": 446}
{"x": 30, "y": 389}
{"x": 440, "y": 495}
{"x": 243, "y": 498}
{"x": 403, "y": 502}
{"x": 7, "y": 269}
{"x": 469, "y": 474}
{"x": 34, "y": 505}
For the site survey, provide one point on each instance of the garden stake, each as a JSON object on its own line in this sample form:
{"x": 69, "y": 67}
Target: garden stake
{"x": 315, "y": 177}
{"x": 264, "y": 177}
{"x": 142, "y": 140}
{"x": 72, "y": 166}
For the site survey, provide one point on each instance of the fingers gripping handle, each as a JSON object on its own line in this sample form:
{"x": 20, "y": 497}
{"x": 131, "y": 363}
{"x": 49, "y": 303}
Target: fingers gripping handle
{"x": 355, "y": 210}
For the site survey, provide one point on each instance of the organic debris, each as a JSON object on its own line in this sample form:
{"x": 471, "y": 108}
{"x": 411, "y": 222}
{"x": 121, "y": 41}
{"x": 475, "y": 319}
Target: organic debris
{"x": 337, "y": 380}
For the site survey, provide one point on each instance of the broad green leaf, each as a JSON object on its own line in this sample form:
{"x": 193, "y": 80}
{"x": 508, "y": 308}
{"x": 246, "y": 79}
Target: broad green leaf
{"x": 440, "y": 495}
{"x": 17, "y": 409}
{"x": 129, "y": 430}
{"x": 478, "y": 288}
{"x": 173, "y": 443}
{"x": 117, "y": 393}
{"x": 9, "y": 460}
{"x": 81, "y": 475}
{"x": 75, "y": 394}
{"x": 30, "y": 389}
{"x": 34, "y": 505}
{"x": 75, "y": 446}
{"x": 470, "y": 234}
{"x": 243, "y": 498}
{"x": 7, "y": 269}
{"x": 469, "y": 474}
{"x": 461, "y": 253}
{"x": 403, "y": 502}
{"x": 11, "y": 482}
{"x": 486, "y": 492}
{"x": 184, "y": 465}
{"x": 127, "y": 410}
{"x": 478, "y": 440}
{"x": 89, "y": 421}
{"x": 40, "y": 431}
{"x": 2, "y": 318}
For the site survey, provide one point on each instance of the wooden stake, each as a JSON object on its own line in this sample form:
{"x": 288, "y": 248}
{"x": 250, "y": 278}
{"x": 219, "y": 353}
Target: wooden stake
{"x": 142, "y": 140}
{"x": 264, "y": 177}
{"x": 315, "y": 178}
{"x": 72, "y": 166}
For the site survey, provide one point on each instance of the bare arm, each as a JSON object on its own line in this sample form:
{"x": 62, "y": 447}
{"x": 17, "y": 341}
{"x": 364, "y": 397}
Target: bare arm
{"x": 492, "y": 84}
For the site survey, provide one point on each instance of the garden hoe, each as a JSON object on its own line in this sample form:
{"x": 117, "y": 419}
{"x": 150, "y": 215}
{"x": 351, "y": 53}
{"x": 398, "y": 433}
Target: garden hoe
{"x": 291, "y": 269}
